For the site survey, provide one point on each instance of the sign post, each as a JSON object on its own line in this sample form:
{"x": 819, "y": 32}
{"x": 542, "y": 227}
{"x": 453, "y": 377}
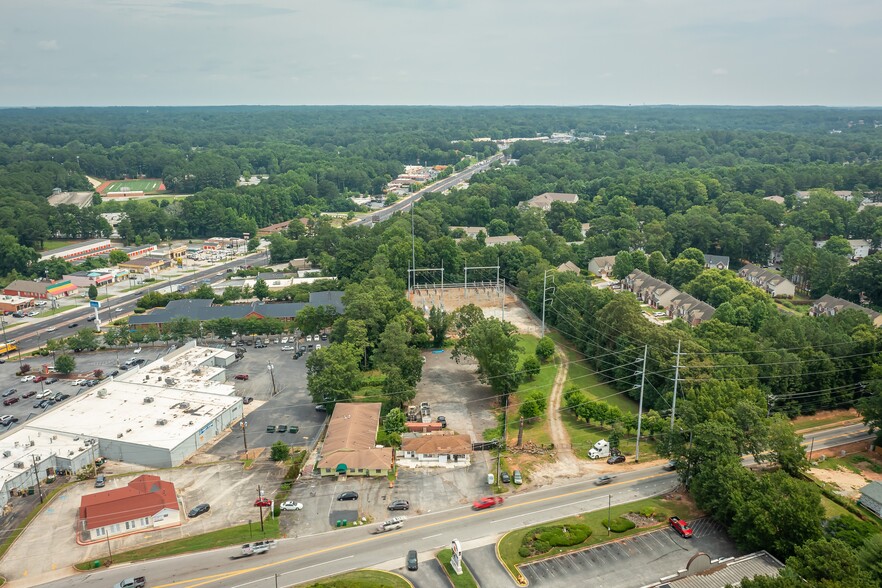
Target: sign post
{"x": 96, "y": 304}
{"x": 456, "y": 558}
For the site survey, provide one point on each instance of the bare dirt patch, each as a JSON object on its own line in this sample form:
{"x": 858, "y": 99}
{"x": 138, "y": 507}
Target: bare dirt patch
{"x": 640, "y": 520}
{"x": 847, "y": 483}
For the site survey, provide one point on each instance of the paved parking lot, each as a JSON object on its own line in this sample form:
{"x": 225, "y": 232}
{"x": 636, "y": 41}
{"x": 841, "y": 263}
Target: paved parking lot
{"x": 291, "y": 405}
{"x": 48, "y": 543}
{"x": 485, "y": 567}
{"x": 646, "y": 558}
{"x": 429, "y": 575}
{"x": 86, "y": 362}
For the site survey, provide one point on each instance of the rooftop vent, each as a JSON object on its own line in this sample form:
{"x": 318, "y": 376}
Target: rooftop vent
{"x": 7, "y": 453}
{"x": 161, "y": 422}
{"x": 19, "y": 465}
{"x": 148, "y": 399}
{"x": 119, "y": 435}
{"x": 102, "y": 393}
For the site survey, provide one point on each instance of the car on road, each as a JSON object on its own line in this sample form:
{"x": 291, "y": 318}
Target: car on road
{"x": 487, "y": 502}
{"x": 516, "y": 477}
{"x": 73, "y": 325}
{"x": 413, "y": 563}
{"x": 243, "y": 377}
{"x": 614, "y": 459}
{"x": 504, "y": 478}
{"x": 291, "y": 505}
{"x": 50, "y": 329}
{"x": 398, "y": 505}
{"x": 263, "y": 501}
{"x": 288, "y": 348}
{"x": 247, "y": 400}
{"x": 198, "y": 510}
{"x": 10, "y": 392}
{"x": 90, "y": 319}
{"x": 349, "y": 495}
{"x": 681, "y": 527}
{"x": 670, "y": 466}
{"x": 603, "y": 480}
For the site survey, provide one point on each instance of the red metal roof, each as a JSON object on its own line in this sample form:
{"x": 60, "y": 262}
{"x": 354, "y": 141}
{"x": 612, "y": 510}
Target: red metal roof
{"x": 143, "y": 497}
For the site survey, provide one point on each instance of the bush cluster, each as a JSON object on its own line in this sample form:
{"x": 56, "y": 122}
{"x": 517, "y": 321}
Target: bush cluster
{"x": 619, "y": 525}
{"x": 542, "y": 539}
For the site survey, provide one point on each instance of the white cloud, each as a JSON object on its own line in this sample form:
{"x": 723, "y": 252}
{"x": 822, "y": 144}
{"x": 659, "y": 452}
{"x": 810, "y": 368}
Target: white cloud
{"x": 720, "y": 71}
{"x": 50, "y": 45}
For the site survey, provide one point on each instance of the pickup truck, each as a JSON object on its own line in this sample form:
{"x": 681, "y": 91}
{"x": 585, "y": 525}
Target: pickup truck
{"x": 257, "y": 547}
{"x": 681, "y": 527}
{"x": 138, "y": 582}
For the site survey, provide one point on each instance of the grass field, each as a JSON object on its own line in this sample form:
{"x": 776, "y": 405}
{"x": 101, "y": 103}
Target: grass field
{"x": 146, "y": 186}
{"x": 361, "y": 579}
{"x": 50, "y": 244}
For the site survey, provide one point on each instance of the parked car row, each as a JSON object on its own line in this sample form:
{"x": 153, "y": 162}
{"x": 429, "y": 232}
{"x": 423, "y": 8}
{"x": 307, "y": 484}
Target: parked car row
{"x": 282, "y": 429}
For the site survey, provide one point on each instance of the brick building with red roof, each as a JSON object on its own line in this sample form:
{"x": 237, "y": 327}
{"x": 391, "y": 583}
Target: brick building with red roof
{"x": 145, "y": 504}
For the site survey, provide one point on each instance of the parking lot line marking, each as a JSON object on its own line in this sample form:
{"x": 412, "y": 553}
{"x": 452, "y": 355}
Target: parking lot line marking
{"x": 204, "y": 580}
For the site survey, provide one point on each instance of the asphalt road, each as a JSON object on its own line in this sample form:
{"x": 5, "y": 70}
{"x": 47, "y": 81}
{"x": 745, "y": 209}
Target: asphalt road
{"x": 307, "y": 558}
{"x": 438, "y": 186}
{"x": 31, "y": 337}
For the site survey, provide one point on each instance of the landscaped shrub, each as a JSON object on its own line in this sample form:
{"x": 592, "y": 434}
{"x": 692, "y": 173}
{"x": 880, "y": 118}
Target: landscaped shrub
{"x": 619, "y": 525}
{"x": 647, "y": 511}
{"x": 542, "y": 539}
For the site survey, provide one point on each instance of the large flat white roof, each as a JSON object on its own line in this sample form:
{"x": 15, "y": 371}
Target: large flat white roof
{"x": 188, "y": 368}
{"x": 130, "y": 412}
{"x": 45, "y": 443}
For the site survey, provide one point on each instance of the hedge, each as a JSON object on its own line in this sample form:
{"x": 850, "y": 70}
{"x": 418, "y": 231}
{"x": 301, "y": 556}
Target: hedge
{"x": 542, "y": 539}
{"x": 619, "y": 525}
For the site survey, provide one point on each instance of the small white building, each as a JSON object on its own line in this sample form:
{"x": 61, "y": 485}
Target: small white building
{"x": 435, "y": 450}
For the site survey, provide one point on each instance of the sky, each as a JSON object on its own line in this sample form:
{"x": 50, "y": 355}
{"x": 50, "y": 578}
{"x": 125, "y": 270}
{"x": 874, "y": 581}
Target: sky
{"x": 442, "y": 52}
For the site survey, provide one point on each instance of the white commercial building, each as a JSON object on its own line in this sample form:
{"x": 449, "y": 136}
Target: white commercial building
{"x": 156, "y": 416}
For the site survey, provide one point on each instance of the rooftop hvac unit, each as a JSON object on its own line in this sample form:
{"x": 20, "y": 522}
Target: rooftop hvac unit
{"x": 102, "y": 393}
{"x": 148, "y": 399}
{"x": 7, "y": 453}
{"x": 54, "y": 437}
{"x": 161, "y": 422}
{"x": 31, "y": 442}
{"x": 19, "y": 465}
{"x": 119, "y": 435}
{"x": 170, "y": 381}
{"x": 165, "y": 368}
{"x": 70, "y": 452}
{"x": 38, "y": 457}
{"x": 76, "y": 438}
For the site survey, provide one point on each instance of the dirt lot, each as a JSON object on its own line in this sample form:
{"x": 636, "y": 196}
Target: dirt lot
{"x": 49, "y": 544}
{"x": 852, "y": 472}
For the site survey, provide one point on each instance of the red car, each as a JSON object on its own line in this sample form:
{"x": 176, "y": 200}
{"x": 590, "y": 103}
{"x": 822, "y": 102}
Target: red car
{"x": 263, "y": 502}
{"x": 681, "y": 527}
{"x": 487, "y": 502}
{"x": 28, "y": 394}
{"x": 39, "y": 379}
{"x": 240, "y": 377}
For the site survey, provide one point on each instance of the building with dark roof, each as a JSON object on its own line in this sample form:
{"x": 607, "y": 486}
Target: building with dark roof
{"x": 145, "y": 504}
{"x": 831, "y": 306}
{"x": 716, "y": 262}
{"x": 775, "y": 284}
{"x": 204, "y": 310}
{"x": 871, "y": 498}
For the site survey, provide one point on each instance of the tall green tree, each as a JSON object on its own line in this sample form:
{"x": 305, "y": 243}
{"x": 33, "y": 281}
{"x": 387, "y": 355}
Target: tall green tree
{"x": 493, "y": 344}
{"x": 332, "y": 374}
{"x": 261, "y": 289}
{"x": 439, "y": 322}
{"x": 65, "y": 364}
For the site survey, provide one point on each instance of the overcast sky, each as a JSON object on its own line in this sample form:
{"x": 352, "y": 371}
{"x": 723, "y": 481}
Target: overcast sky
{"x": 208, "y": 52}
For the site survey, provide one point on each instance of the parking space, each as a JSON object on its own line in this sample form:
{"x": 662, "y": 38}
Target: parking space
{"x": 429, "y": 575}
{"x": 48, "y": 543}
{"x": 291, "y": 406}
{"x": 647, "y": 557}
{"x": 485, "y": 567}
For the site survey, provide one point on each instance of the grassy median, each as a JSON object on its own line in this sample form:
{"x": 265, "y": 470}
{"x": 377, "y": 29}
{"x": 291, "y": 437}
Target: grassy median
{"x": 466, "y": 580}
{"x": 361, "y": 579}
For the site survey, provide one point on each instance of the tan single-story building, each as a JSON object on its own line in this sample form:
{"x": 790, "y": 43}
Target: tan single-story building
{"x": 436, "y": 450}
{"x": 350, "y": 447}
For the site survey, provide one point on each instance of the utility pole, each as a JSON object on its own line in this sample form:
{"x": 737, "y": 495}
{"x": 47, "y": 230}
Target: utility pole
{"x": 503, "y": 298}
{"x": 243, "y": 423}
{"x": 811, "y": 449}
{"x": 260, "y": 502}
{"x": 412, "y": 244}
{"x": 37, "y": 476}
{"x": 640, "y": 408}
{"x": 544, "y": 297}
{"x": 676, "y": 380}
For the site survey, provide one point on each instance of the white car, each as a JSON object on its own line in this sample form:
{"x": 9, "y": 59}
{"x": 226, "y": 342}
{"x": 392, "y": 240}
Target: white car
{"x": 50, "y": 329}
{"x": 44, "y": 394}
{"x": 284, "y": 340}
{"x": 77, "y": 382}
{"x": 318, "y": 346}
{"x": 287, "y": 348}
{"x": 33, "y": 313}
{"x": 28, "y": 378}
{"x": 308, "y": 338}
{"x": 138, "y": 350}
{"x": 291, "y": 505}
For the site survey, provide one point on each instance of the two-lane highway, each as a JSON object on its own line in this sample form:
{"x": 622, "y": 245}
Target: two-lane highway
{"x": 438, "y": 186}
{"x": 307, "y": 558}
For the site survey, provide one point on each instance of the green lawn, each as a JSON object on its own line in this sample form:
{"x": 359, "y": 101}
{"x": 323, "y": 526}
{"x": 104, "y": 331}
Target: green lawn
{"x": 822, "y": 422}
{"x": 147, "y": 186}
{"x": 536, "y": 431}
{"x": 832, "y": 510}
{"x": 361, "y": 579}
{"x": 465, "y": 580}
{"x": 50, "y": 244}
{"x": 510, "y": 544}
{"x": 221, "y": 538}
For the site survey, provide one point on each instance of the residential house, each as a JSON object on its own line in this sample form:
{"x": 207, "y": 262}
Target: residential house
{"x": 503, "y": 240}
{"x": 649, "y": 290}
{"x": 586, "y": 227}
{"x": 690, "y": 309}
{"x": 831, "y": 306}
{"x": 543, "y": 201}
{"x": 775, "y": 284}
{"x": 436, "y": 450}
{"x": 776, "y": 199}
{"x": 602, "y": 266}
{"x": 860, "y": 248}
{"x": 145, "y": 504}
{"x": 569, "y": 266}
{"x": 470, "y": 231}
{"x": 41, "y": 290}
{"x": 716, "y": 262}
{"x": 350, "y": 446}
{"x": 871, "y": 498}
